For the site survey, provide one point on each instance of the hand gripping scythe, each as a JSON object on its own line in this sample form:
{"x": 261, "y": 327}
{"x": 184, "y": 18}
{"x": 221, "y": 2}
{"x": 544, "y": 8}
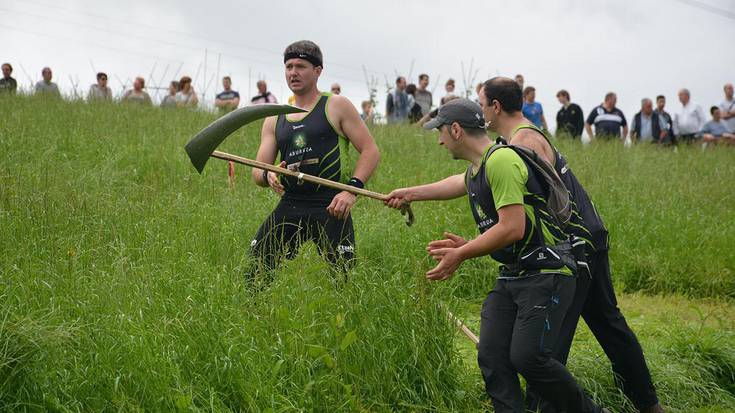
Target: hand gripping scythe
{"x": 204, "y": 145}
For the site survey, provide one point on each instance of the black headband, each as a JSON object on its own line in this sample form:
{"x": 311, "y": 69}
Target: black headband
{"x": 306, "y": 56}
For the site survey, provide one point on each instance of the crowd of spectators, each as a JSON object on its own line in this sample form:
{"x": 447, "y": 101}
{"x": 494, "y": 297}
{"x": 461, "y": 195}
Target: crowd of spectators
{"x": 414, "y": 103}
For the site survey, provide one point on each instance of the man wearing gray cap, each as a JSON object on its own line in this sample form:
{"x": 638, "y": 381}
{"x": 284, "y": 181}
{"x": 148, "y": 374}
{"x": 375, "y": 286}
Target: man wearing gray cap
{"x": 521, "y": 317}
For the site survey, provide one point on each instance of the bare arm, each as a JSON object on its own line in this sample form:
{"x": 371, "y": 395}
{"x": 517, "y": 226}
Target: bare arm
{"x": 448, "y": 188}
{"x": 625, "y": 131}
{"x": 588, "y": 128}
{"x": 267, "y": 153}
{"x": 351, "y": 126}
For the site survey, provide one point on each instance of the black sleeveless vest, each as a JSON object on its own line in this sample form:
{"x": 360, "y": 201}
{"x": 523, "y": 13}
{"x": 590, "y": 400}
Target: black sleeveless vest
{"x": 312, "y": 146}
{"x": 585, "y": 222}
{"x": 521, "y": 257}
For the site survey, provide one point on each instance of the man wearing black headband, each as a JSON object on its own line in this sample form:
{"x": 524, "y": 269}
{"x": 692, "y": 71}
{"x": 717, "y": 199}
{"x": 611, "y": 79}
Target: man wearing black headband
{"x": 316, "y": 143}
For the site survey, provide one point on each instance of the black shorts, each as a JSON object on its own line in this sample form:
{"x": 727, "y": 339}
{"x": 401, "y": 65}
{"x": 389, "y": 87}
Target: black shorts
{"x": 294, "y": 222}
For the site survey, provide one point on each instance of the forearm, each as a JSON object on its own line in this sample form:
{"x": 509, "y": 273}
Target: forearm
{"x": 588, "y": 128}
{"x": 499, "y": 236}
{"x": 366, "y": 164}
{"x": 448, "y": 188}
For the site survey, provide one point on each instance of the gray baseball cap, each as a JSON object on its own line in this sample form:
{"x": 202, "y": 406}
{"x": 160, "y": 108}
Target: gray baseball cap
{"x": 463, "y": 111}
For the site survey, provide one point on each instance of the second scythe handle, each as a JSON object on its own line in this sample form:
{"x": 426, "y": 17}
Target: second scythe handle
{"x": 313, "y": 179}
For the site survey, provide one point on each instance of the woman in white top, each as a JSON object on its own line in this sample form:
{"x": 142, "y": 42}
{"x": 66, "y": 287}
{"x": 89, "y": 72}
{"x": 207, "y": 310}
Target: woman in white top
{"x": 186, "y": 97}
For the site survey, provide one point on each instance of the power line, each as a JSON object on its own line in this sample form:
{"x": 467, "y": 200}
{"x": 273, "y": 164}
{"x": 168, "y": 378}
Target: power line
{"x": 710, "y": 8}
{"x": 183, "y": 33}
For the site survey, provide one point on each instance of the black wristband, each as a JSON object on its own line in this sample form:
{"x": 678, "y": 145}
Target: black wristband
{"x": 356, "y": 182}
{"x": 265, "y": 177}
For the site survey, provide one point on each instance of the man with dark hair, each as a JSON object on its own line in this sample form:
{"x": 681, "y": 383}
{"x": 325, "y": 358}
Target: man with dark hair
{"x": 646, "y": 126}
{"x": 569, "y": 119}
{"x": 46, "y": 86}
{"x": 7, "y": 83}
{"x": 521, "y": 316}
{"x": 608, "y": 120}
{"x": 533, "y": 110}
{"x": 423, "y": 96}
{"x": 227, "y": 100}
{"x": 264, "y": 95}
{"x": 594, "y": 296}
{"x": 716, "y": 130}
{"x": 396, "y": 104}
{"x": 449, "y": 89}
{"x": 519, "y": 80}
{"x": 664, "y": 119}
{"x": 100, "y": 91}
{"x": 316, "y": 143}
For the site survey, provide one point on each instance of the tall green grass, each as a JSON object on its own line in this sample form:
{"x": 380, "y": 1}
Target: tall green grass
{"x": 121, "y": 275}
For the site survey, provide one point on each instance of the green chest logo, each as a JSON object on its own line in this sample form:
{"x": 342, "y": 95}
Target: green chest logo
{"x": 299, "y": 140}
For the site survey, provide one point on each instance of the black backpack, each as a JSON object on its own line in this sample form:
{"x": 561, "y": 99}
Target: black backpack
{"x": 558, "y": 201}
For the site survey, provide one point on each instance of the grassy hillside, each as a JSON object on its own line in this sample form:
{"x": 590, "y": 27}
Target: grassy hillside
{"x": 121, "y": 283}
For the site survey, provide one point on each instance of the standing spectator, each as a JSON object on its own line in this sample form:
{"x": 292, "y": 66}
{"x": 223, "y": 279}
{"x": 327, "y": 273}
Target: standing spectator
{"x": 608, "y": 120}
{"x": 46, "y": 86}
{"x": 414, "y": 109}
{"x": 688, "y": 121}
{"x": 727, "y": 107}
{"x": 519, "y": 80}
{"x": 533, "y": 110}
{"x": 227, "y": 100}
{"x": 569, "y": 119}
{"x": 646, "y": 126}
{"x": 367, "y": 115}
{"x": 336, "y": 89}
{"x": 169, "y": 101}
{"x": 186, "y": 97}
{"x": 423, "y": 96}
{"x": 100, "y": 91}
{"x": 449, "y": 88}
{"x": 664, "y": 120}
{"x": 263, "y": 96}
{"x": 137, "y": 94}
{"x": 396, "y": 104}
{"x": 7, "y": 83}
{"x": 716, "y": 130}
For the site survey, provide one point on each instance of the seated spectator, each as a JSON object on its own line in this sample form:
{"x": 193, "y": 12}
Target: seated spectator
{"x": 533, "y": 110}
{"x": 367, "y": 115}
{"x": 646, "y": 126}
{"x": 7, "y": 83}
{"x": 169, "y": 101}
{"x": 666, "y": 136}
{"x": 46, "y": 86}
{"x": 688, "y": 121}
{"x": 137, "y": 94}
{"x": 608, "y": 120}
{"x": 100, "y": 91}
{"x": 569, "y": 119}
{"x": 716, "y": 130}
{"x": 449, "y": 88}
{"x": 414, "y": 109}
{"x": 227, "y": 100}
{"x": 263, "y": 96}
{"x": 336, "y": 89}
{"x": 186, "y": 97}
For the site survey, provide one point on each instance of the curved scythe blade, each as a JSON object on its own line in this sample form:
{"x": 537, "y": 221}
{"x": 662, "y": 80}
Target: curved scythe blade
{"x": 208, "y": 139}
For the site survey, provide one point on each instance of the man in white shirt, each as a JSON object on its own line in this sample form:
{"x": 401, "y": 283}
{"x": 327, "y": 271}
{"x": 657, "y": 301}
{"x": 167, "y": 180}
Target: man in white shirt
{"x": 727, "y": 107}
{"x": 688, "y": 120}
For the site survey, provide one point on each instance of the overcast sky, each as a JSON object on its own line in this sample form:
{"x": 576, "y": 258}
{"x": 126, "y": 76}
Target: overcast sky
{"x": 637, "y": 48}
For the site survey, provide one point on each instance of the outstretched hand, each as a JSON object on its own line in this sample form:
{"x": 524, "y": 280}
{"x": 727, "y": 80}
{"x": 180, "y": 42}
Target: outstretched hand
{"x": 274, "y": 182}
{"x": 447, "y": 252}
